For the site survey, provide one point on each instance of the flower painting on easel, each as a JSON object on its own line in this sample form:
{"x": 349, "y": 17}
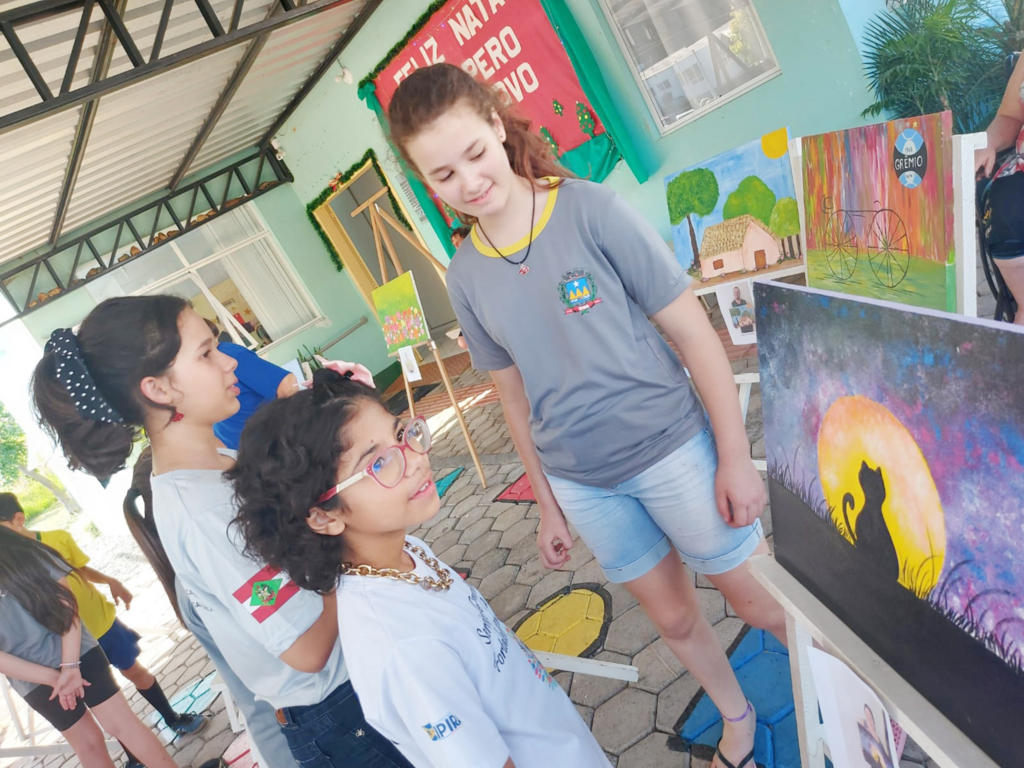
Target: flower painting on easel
{"x": 401, "y": 313}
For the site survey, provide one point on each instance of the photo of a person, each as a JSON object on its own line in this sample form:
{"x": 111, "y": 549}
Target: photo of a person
{"x": 736, "y": 302}
{"x": 857, "y": 727}
{"x": 873, "y": 747}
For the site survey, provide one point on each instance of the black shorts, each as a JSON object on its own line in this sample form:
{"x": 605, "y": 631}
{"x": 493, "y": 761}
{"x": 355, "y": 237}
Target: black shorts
{"x": 95, "y": 669}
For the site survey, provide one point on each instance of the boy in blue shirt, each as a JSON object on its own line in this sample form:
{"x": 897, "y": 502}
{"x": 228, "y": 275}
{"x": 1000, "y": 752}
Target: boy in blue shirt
{"x": 258, "y": 382}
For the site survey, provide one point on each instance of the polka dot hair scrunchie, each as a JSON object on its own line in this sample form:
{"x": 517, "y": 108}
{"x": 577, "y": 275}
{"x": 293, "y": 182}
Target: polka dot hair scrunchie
{"x": 74, "y": 375}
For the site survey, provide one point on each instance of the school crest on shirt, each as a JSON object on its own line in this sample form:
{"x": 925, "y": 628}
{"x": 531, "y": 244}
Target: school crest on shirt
{"x": 265, "y": 592}
{"x": 578, "y": 292}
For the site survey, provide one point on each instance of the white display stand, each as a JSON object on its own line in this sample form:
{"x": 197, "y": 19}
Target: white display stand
{"x": 965, "y": 215}
{"x": 809, "y": 623}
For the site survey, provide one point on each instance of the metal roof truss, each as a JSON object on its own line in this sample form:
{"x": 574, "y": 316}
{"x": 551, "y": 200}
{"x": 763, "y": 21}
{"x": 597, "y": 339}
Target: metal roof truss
{"x": 111, "y": 245}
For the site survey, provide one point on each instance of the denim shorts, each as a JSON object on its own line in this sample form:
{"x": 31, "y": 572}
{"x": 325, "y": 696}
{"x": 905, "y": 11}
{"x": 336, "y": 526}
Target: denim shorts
{"x": 631, "y": 526}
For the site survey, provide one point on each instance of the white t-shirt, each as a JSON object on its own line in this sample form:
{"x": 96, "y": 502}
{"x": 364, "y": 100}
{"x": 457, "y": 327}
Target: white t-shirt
{"x": 450, "y": 684}
{"x": 254, "y": 613}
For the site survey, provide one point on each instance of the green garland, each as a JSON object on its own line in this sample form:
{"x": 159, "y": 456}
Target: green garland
{"x": 340, "y": 180}
{"x": 414, "y": 30}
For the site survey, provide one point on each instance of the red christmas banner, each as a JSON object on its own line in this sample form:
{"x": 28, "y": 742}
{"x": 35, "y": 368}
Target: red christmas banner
{"x": 509, "y": 44}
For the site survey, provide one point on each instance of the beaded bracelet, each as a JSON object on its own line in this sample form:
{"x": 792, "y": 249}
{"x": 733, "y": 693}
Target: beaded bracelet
{"x": 70, "y": 665}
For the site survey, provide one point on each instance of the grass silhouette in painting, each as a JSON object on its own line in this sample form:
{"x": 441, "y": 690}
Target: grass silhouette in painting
{"x": 895, "y": 441}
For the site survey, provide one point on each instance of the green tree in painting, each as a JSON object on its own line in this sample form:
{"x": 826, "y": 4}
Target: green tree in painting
{"x": 785, "y": 223}
{"x": 557, "y": 106}
{"x": 585, "y": 119}
{"x": 752, "y": 196}
{"x": 689, "y": 193}
{"x": 550, "y": 140}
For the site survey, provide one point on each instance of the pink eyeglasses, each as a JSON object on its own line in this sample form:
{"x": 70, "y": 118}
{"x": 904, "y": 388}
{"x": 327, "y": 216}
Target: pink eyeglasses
{"x": 387, "y": 468}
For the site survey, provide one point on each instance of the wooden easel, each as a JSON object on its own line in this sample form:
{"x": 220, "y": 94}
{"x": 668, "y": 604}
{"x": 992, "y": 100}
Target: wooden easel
{"x": 382, "y": 242}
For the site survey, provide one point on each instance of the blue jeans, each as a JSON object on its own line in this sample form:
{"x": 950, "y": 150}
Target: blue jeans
{"x": 633, "y": 525}
{"x": 335, "y": 733}
{"x": 260, "y": 720}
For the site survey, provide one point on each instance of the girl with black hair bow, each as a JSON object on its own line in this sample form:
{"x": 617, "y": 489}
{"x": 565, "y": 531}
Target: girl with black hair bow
{"x": 151, "y": 362}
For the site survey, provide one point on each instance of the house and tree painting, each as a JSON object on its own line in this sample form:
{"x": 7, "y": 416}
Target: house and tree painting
{"x": 736, "y": 212}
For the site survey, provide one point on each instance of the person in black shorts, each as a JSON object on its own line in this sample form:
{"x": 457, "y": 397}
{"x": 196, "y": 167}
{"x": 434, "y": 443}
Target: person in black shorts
{"x": 55, "y": 664}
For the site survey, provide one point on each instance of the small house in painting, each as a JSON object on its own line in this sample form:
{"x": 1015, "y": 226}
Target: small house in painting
{"x": 743, "y": 243}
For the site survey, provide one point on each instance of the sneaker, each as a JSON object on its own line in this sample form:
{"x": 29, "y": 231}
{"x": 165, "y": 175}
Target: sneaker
{"x": 188, "y": 724}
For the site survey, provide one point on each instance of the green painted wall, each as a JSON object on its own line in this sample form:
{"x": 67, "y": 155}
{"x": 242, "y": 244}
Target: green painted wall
{"x": 821, "y": 88}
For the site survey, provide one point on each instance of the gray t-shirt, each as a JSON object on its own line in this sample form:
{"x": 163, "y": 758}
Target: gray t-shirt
{"x": 608, "y": 397}
{"x": 22, "y": 636}
{"x": 254, "y": 612}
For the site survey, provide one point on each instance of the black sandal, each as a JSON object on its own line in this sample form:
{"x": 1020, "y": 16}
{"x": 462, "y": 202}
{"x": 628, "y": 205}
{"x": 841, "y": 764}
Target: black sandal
{"x": 743, "y": 763}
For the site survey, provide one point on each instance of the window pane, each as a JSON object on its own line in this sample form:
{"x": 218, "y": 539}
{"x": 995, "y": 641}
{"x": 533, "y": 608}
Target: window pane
{"x": 146, "y": 270}
{"x": 687, "y": 54}
{"x": 223, "y": 232}
{"x": 233, "y": 297}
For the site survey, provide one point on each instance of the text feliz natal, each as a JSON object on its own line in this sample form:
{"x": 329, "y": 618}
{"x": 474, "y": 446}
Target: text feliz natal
{"x": 494, "y": 56}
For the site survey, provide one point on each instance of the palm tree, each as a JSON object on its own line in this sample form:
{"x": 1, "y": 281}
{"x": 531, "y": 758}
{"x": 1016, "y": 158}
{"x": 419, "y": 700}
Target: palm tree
{"x": 927, "y": 56}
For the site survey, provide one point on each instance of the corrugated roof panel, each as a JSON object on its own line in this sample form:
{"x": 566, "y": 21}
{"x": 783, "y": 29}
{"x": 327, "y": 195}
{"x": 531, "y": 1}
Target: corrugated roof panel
{"x": 49, "y": 44}
{"x": 141, "y": 133}
{"x": 283, "y": 66}
{"x": 131, "y": 133}
{"x": 33, "y": 159}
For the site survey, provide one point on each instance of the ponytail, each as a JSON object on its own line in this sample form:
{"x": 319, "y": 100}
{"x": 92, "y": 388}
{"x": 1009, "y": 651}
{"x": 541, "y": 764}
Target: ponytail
{"x": 86, "y": 387}
{"x": 143, "y": 526}
{"x": 431, "y": 91}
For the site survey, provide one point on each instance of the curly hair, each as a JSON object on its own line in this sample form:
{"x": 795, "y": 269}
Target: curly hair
{"x": 287, "y": 457}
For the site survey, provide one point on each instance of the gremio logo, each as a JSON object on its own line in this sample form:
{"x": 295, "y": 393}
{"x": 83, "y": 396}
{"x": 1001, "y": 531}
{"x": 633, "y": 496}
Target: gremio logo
{"x": 443, "y": 729}
{"x": 910, "y": 158}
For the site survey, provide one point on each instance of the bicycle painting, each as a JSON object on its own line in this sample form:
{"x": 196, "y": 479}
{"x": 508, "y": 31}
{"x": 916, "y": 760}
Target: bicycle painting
{"x": 879, "y": 211}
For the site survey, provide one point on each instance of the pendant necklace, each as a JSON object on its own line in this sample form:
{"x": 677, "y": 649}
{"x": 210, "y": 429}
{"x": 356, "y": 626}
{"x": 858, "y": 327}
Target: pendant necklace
{"x": 523, "y": 269}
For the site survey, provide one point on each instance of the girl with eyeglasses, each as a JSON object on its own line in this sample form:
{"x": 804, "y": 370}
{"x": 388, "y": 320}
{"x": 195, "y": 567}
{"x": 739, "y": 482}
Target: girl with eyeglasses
{"x": 327, "y": 484}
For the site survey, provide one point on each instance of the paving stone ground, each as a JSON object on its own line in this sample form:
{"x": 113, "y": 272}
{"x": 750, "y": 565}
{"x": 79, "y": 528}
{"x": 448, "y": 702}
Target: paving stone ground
{"x": 495, "y": 541}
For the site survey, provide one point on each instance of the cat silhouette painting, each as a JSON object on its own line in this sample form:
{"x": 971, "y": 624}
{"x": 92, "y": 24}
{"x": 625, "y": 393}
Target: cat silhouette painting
{"x": 894, "y": 519}
{"x": 871, "y": 534}
{"x": 894, "y": 438}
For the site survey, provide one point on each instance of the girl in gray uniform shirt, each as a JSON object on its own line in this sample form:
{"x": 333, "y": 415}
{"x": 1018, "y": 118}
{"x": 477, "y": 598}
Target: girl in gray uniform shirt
{"x": 55, "y": 664}
{"x": 151, "y": 362}
{"x": 553, "y": 289}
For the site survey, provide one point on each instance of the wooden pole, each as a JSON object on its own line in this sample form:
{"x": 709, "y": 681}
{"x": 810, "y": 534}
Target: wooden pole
{"x": 374, "y": 225}
{"x": 373, "y": 199}
{"x": 408, "y": 394}
{"x": 388, "y": 245}
{"x": 412, "y": 240}
{"x": 458, "y": 413}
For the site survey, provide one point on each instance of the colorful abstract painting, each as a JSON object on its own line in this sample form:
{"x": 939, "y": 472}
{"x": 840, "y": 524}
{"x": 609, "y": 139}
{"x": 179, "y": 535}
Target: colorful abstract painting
{"x": 401, "y": 313}
{"x": 736, "y": 212}
{"x": 895, "y": 442}
{"x": 879, "y": 208}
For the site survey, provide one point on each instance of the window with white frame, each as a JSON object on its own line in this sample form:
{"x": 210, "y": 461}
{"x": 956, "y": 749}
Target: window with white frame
{"x": 691, "y": 56}
{"x": 232, "y": 271}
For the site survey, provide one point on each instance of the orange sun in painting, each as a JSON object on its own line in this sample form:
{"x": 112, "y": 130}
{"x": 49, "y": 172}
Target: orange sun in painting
{"x": 857, "y": 431}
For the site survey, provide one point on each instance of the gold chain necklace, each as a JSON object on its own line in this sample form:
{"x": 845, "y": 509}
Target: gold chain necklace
{"x": 427, "y": 582}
